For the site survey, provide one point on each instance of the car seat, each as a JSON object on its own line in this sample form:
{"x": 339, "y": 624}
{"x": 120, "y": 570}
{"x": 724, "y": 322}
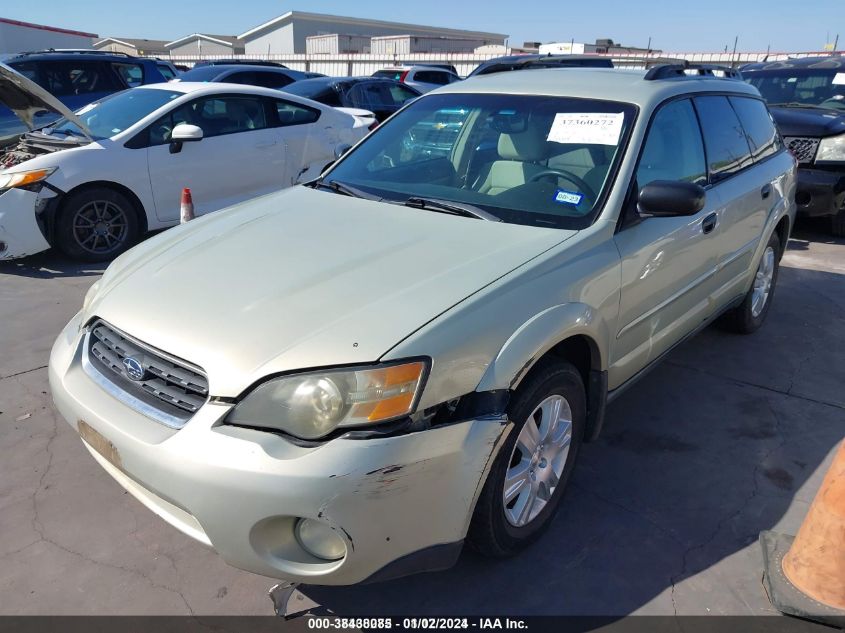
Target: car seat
{"x": 521, "y": 155}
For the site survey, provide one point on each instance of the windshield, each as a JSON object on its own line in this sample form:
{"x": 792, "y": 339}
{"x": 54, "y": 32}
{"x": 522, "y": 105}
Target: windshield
{"x": 537, "y": 160}
{"x": 823, "y": 87}
{"x": 115, "y": 113}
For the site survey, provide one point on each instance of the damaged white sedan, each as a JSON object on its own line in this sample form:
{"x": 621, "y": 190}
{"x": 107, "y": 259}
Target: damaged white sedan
{"x": 93, "y": 183}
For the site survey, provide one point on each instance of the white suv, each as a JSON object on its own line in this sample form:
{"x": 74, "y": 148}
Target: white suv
{"x": 423, "y": 78}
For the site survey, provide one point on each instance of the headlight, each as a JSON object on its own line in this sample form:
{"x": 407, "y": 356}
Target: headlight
{"x": 831, "y": 149}
{"x": 24, "y": 178}
{"x": 89, "y": 296}
{"x": 312, "y": 405}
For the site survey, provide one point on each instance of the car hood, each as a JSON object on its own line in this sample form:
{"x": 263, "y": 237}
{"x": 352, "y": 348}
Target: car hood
{"x": 796, "y": 121}
{"x": 26, "y": 98}
{"x": 303, "y": 278}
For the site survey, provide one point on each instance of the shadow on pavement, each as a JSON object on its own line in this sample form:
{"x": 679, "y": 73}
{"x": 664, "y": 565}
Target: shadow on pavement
{"x": 714, "y": 446}
{"x": 50, "y": 264}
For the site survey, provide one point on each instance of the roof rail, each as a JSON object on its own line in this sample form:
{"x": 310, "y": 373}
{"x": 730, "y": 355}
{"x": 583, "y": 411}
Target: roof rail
{"x": 673, "y": 71}
{"x": 75, "y": 51}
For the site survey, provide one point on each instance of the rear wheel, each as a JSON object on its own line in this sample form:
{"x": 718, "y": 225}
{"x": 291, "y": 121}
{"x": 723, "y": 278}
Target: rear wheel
{"x": 96, "y": 224}
{"x": 527, "y": 480}
{"x": 748, "y": 316}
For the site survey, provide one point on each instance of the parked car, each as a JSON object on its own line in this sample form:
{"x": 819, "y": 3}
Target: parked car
{"x": 94, "y": 182}
{"x": 246, "y": 74}
{"x": 422, "y": 78}
{"x": 238, "y": 62}
{"x": 75, "y": 78}
{"x": 380, "y": 96}
{"x": 529, "y": 62}
{"x": 399, "y": 357}
{"x": 807, "y": 100}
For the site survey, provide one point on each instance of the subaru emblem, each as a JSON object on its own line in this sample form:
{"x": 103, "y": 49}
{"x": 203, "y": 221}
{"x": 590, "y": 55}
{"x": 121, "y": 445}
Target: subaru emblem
{"x": 134, "y": 369}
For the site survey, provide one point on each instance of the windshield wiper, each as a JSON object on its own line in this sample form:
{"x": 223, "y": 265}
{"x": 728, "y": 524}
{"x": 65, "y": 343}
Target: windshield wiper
{"x": 797, "y": 104}
{"x": 344, "y": 189}
{"x": 447, "y": 206}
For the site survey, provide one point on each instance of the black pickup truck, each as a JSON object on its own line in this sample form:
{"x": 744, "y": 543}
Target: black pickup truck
{"x": 807, "y": 100}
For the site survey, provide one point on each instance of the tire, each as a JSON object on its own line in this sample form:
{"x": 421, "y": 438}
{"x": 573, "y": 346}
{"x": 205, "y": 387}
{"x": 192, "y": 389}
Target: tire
{"x": 837, "y": 224}
{"x": 96, "y": 224}
{"x": 495, "y": 529}
{"x": 748, "y": 316}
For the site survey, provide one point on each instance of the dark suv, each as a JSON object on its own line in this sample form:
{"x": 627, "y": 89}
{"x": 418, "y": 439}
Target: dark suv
{"x": 76, "y": 78}
{"x": 807, "y": 100}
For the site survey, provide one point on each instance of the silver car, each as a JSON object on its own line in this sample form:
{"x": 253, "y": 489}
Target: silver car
{"x": 348, "y": 380}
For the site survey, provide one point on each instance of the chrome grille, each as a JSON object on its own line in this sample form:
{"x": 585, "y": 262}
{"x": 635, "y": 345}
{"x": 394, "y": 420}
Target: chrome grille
{"x": 169, "y": 390}
{"x": 802, "y": 147}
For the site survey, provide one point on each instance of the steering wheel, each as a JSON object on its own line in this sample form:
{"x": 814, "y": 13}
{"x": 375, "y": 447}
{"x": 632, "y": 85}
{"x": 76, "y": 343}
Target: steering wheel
{"x": 566, "y": 175}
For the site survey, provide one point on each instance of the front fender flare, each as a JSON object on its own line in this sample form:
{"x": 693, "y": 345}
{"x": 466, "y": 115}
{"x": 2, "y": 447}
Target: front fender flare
{"x": 541, "y": 333}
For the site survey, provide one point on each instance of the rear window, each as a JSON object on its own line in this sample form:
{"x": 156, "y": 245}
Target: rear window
{"x": 396, "y": 75}
{"x": 759, "y": 127}
{"x": 203, "y": 73}
{"x": 727, "y": 147}
{"x": 166, "y": 71}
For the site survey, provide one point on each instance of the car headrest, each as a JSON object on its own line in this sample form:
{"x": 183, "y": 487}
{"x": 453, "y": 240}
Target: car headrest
{"x": 529, "y": 145}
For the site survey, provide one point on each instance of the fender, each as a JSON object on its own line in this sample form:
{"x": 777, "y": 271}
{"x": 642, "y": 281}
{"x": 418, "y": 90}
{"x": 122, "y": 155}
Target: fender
{"x": 538, "y": 335}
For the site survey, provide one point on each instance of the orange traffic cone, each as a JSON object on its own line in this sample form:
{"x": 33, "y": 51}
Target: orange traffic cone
{"x": 808, "y": 580}
{"x": 187, "y": 206}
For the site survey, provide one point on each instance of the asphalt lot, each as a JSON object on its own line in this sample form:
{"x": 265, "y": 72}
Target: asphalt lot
{"x": 730, "y": 436}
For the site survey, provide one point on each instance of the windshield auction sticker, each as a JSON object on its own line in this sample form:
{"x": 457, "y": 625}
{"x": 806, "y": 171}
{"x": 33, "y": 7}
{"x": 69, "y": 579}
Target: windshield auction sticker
{"x": 588, "y": 128}
{"x": 838, "y": 79}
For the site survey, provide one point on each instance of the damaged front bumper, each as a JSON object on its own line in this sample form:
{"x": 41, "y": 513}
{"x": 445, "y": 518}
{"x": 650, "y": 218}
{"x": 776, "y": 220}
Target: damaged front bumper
{"x": 400, "y": 504}
{"x": 21, "y": 234}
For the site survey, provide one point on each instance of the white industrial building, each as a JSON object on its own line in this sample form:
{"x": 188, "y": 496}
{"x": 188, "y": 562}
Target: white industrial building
{"x": 133, "y": 46}
{"x": 288, "y": 33}
{"x": 18, "y": 37}
{"x": 203, "y": 44}
{"x": 336, "y": 44}
{"x": 407, "y": 44}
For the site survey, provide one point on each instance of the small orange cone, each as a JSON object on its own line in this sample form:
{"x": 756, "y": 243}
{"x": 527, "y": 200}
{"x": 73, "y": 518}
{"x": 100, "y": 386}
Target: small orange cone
{"x": 812, "y": 582}
{"x": 186, "y": 213}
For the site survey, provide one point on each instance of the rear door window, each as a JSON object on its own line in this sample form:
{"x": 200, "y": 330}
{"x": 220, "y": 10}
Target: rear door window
{"x": 724, "y": 137}
{"x": 759, "y": 126}
{"x": 132, "y": 75}
{"x": 72, "y": 78}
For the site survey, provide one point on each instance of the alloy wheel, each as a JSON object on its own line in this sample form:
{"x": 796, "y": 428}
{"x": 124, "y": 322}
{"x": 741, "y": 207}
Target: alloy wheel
{"x": 537, "y": 460}
{"x": 100, "y": 227}
{"x": 763, "y": 282}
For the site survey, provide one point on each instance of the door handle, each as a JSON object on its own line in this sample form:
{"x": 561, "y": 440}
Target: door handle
{"x": 709, "y": 223}
{"x": 766, "y": 191}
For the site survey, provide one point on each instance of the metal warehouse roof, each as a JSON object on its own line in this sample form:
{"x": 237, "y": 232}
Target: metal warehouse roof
{"x": 290, "y": 16}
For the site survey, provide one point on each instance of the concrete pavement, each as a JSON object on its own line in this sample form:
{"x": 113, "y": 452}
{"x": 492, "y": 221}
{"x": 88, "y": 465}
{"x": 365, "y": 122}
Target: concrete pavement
{"x": 730, "y": 436}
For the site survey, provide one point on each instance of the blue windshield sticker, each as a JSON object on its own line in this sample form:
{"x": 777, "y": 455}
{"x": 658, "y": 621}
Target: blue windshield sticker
{"x": 568, "y": 197}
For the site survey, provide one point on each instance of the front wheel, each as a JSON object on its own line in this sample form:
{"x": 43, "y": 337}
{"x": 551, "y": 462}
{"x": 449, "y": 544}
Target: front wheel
{"x": 748, "y": 316}
{"x": 527, "y": 480}
{"x": 96, "y": 225}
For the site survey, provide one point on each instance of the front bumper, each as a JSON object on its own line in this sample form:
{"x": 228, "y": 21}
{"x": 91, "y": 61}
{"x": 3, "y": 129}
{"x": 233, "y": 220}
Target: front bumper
{"x": 20, "y": 234}
{"x": 820, "y": 192}
{"x": 240, "y": 490}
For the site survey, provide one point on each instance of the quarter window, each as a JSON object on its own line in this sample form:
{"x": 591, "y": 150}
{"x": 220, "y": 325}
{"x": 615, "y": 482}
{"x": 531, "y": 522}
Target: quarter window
{"x": 294, "y": 114}
{"x": 759, "y": 127}
{"x": 727, "y": 147}
{"x": 673, "y": 149}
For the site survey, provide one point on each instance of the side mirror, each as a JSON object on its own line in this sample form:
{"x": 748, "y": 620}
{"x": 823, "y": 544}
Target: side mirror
{"x": 184, "y": 133}
{"x": 667, "y": 198}
{"x": 341, "y": 149}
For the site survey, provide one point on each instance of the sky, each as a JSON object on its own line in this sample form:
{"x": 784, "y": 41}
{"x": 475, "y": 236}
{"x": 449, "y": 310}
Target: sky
{"x": 783, "y": 25}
